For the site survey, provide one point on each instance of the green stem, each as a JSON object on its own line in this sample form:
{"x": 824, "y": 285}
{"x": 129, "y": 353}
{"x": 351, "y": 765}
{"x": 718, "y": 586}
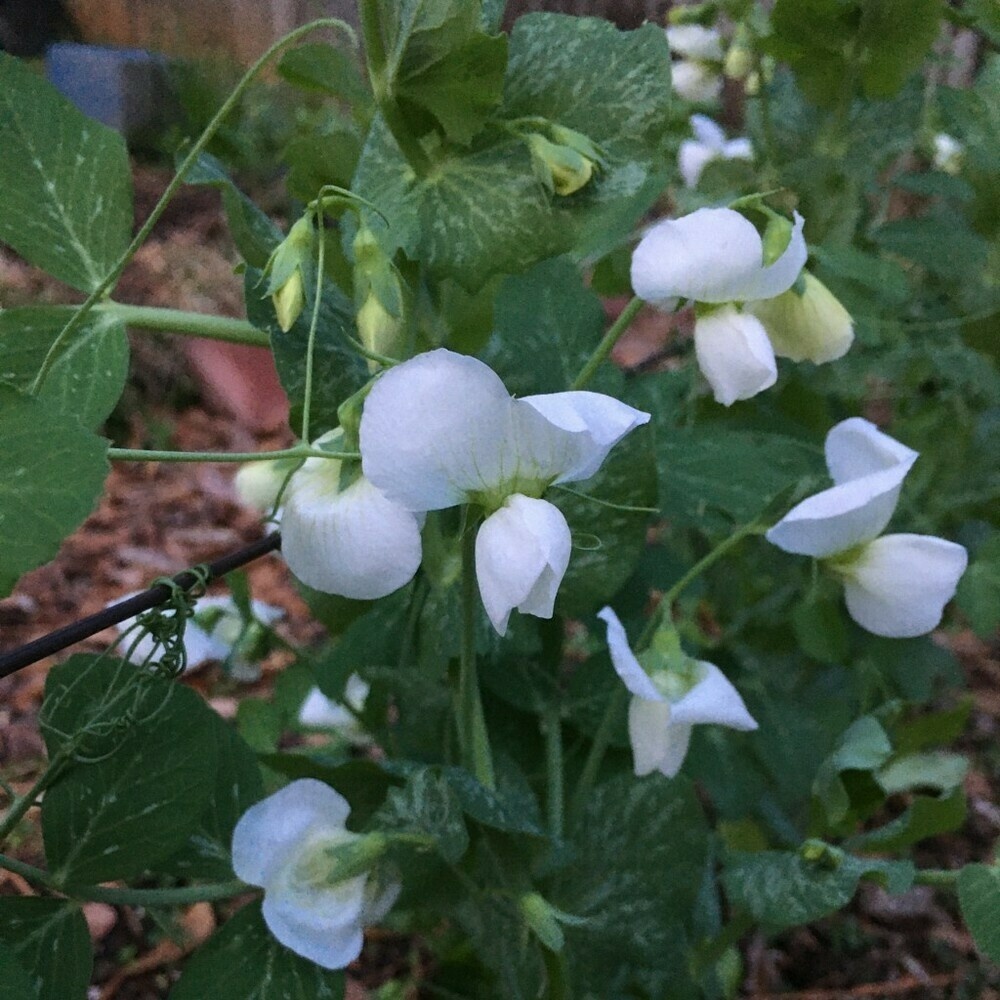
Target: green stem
{"x": 473, "y": 737}
{"x": 144, "y": 455}
{"x": 598, "y": 749}
{"x": 23, "y": 803}
{"x": 191, "y": 324}
{"x": 554, "y": 771}
{"x": 313, "y": 324}
{"x": 112, "y": 276}
{"x": 608, "y": 342}
{"x": 942, "y": 878}
{"x": 179, "y": 896}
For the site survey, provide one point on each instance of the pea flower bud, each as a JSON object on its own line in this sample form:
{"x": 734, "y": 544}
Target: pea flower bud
{"x": 285, "y": 270}
{"x": 561, "y": 168}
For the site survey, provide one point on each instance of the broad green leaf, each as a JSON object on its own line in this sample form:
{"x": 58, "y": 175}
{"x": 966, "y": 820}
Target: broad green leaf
{"x": 979, "y": 590}
{"x": 864, "y": 747}
{"x": 50, "y": 940}
{"x": 138, "y": 782}
{"x": 238, "y": 785}
{"x": 327, "y": 69}
{"x": 940, "y": 771}
{"x": 896, "y": 35}
{"x": 979, "y": 897}
{"x": 546, "y": 325}
{"x": 322, "y": 156}
{"x": 640, "y": 849}
{"x": 925, "y": 816}
{"x": 426, "y": 805}
{"x": 512, "y": 807}
{"x": 243, "y": 961}
{"x": 253, "y": 232}
{"x": 938, "y": 243}
{"x": 607, "y": 542}
{"x": 338, "y": 371}
{"x": 88, "y": 375}
{"x": 714, "y": 478}
{"x": 819, "y": 627}
{"x": 65, "y": 184}
{"x": 52, "y": 471}
{"x": 14, "y": 981}
{"x": 783, "y": 888}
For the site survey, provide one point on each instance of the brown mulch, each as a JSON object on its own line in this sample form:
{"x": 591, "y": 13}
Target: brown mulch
{"x": 160, "y": 518}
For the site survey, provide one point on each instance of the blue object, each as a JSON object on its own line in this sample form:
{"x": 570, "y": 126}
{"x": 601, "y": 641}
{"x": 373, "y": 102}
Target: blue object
{"x": 127, "y": 89}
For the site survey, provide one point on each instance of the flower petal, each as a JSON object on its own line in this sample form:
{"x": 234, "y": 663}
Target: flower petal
{"x": 695, "y": 81}
{"x": 356, "y": 544}
{"x": 734, "y": 354}
{"x": 856, "y": 447}
{"x": 623, "y": 659}
{"x": 708, "y": 132}
{"x": 713, "y": 700}
{"x": 899, "y": 585}
{"x": 654, "y": 739}
{"x": 692, "y": 158}
{"x": 596, "y": 422}
{"x": 522, "y": 551}
{"x": 435, "y": 428}
{"x": 737, "y": 149}
{"x": 319, "y": 712}
{"x": 270, "y": 833}
{"x": 323, "y": 925}
{"x": 712, "y": 255}
{"x": 694, "y": 41}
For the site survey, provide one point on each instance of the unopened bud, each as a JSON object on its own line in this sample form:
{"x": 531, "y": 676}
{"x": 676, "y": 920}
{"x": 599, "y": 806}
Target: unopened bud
{"x": 545, "y": 920}
{"x": 806, "y": 323}
{"x": 739, "y": 57}
{"x": 561, "y": 168}
{"x": 285, "y": 271}
{"x": 289, "y": 300}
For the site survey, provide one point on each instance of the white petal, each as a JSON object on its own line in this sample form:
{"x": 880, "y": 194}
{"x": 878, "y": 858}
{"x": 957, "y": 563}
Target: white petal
{"x": 734, "y": 354}
{"x": 522, "y": 551}
{"x": 271, "y": 832}
{"x": 356, "y": 544}
{"x": 650, "y": 732}
{"x": 738, "y": 149}
{"x": 712, "y": 255}
{"x": 856, "y": 447}
{"x": 596, "y": 422}
{"x": 695, "y": 41}
{"x": 900, "y": 583}
{"x": 321, "y": 712}
{"x": 713, "y": 700}
{"x": 708, "y": 132}
{"x": 695, "y": 82}
{"x": 623, "y": 659}
{"x": 692, "y": 158}
{"x": 323, "y": 925}
{"x": 435, "y": 428}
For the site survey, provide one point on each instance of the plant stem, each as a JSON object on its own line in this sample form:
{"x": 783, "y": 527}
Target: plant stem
{"x": 602, "y": 738}
{"x": 191, "y": 324}
{"x": 554, "y": 771}
{"x": 178, "y": 896}
{"x": 112, "y": 276}
{"x": 313, "y": 324}
{"x": 608, "y": 342}
{"x": 473, "y": 738}
{"x": 942, "y": 878}
{"x": 23, "y": 803}
{"x": 143, "y": 455}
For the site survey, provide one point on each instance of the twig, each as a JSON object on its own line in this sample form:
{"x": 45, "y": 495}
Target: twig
{"x": 55, "y": 641}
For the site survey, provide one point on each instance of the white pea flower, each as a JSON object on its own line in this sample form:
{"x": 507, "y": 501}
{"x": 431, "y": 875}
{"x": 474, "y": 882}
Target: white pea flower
{"x": 948, "y": 153}
{"x": 666, "y": 705}
{"x": 710, "y": 143}
{"x": 441, "y": 430}
{"x": 695, "y": 74}
{"x": 352, "y": 541}
{"x": 716, "y": 256}
{"x": 294, "y": 845}
{"x": 211, "y": 634}
{"x": 319, "y": 712}
{"x": 896, "y": 585}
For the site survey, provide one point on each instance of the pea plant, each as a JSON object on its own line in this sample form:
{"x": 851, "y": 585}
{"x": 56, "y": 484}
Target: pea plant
{"x": 622, "y": 664}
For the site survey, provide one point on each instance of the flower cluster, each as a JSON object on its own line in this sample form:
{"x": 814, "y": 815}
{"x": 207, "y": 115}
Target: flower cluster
{"x": 894, "y": 585}
{"x": 319, "y": 879}
{"x": 437, "y": 431}
{"x": 695, "y": 73}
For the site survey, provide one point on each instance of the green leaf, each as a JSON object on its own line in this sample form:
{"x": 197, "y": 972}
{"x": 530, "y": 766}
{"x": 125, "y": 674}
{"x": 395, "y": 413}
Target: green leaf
{"x": 327, "y": 69}
{"x": 979, "y": 590}
{"x": 640, "y": 848}
{"x": 51, "y": 473}
{"x": 242, "y": 961}
{"x": 238, "y": 785}
{"x": 608, "y": 542}
{"x": 937, "y": 243}
{"x": 926, "y": 816}
{"x": 14, "y": 981}
{"x": 896, "y": 35}
{"x": 89, "y": 373}
{"x": 338, "y": 370}
{"x": 427, "y": 805}
{"x": 253, "y": 232}
{"x": 864, "y": 747}
{"x": 546, "y": 325}
{"x": 138, "y": 782}
{"x": 715, "y": 477}
{"x": 783, "y": 888}
{"x": 65, "y": 182}
{"x": 50, "y": 940}
{"x": 941, "y": 771}
{"x": 819, "y": 628}
{"x": 974, "y": 119}
{"x": 979, "y": 897}
{"x": 511, "y": 808}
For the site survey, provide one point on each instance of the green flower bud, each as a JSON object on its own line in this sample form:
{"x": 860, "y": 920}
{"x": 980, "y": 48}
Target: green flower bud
{"x": 378, "y": 328}
{"x": 286, "y": 269}
{"x": 739, "y": 58}
{"x": 289, "y": 300}
{"x": 806, "y": 323}
{"x": 561, "y": 168}
{"x": 545, "y": 920}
